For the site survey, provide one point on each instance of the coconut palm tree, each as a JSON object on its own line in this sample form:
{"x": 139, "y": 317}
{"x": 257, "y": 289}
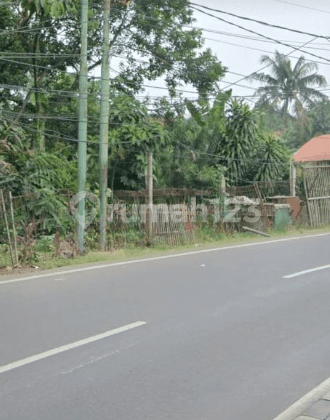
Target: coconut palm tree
{"x": 289, "y": 89}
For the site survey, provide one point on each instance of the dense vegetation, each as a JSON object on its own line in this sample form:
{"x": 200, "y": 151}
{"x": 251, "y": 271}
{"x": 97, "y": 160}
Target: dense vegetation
{"x": 195, "y": 143}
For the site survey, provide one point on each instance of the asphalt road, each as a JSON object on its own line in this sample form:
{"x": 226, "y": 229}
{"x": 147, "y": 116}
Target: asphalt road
{"x": 226, "y": 337}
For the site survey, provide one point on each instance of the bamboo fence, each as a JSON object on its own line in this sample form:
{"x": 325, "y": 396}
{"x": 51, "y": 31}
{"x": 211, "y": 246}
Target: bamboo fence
{"x": 317, "y": 191}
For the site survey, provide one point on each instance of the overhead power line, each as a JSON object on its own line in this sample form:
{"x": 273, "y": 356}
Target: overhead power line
{"x": 260, "y": 22}
{"x": 249, "y": 37}
{"x": 304, "y": 7}
{"x": 264, "y": 36}
{"x": 60, "y": 136}
{"x": 186, "y": 91}
{"x": 49, "y": 68}
{"x": 266, "y": 51}
{"x": 226, "y": 158}
{"x": 266, "y": 66}
{"x": 33, "y": 55}
{"x": 247, "y": 76}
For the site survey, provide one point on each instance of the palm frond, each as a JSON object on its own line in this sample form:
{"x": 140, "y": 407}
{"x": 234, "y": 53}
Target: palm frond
{"x": 263, "y": 77}
{"x": 313, "y": 95}
{"x": 303, "y": 67}
{"x": 313, "y": 79}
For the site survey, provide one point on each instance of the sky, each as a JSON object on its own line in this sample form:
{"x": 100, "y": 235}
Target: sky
{"x": 242, "y": 58}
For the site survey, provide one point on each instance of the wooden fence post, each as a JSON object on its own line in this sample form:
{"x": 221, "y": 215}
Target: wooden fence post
{"x": 150, "y": 196}
{"x": 262, "y": 207}
{"x": 7, "y": 226}
{"x": 13, "y": 223}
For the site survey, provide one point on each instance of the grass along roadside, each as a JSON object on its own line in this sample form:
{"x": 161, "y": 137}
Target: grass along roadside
{"x": 203, "y": 240}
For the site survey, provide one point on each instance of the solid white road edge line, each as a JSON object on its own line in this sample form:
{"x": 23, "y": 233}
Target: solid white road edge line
{"x": 164, "y": 257}
{"x": 53, "y": 352}
{"x": 303, "y": 403}
{"x": 311, "y": 270}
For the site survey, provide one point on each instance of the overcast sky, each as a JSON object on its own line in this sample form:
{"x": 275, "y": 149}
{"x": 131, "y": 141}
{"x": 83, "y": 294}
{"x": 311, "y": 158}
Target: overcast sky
{"x": 240, "y": 58}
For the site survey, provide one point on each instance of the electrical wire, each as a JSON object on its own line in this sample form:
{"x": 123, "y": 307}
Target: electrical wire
{"x": 267, "y": 51}
{"x": 66, "y": 118}
{"x": 185, "y": 91}
{"x": 249, "y": 37}
{"x": 36, "y": 55}
{"x": 304, "y": 7}
{"x": 61, "y": 136}
{"x": 147, "y": 96}
{"x": 226, "y": 158}
{"x": 36, "y": 66}
{"x": 258, "y": 21}
{"x": 264, "y": 36}
{"x": 268, "y": 65}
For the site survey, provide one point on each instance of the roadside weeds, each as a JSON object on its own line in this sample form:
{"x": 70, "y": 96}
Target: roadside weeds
{"x": 124, "y": 254}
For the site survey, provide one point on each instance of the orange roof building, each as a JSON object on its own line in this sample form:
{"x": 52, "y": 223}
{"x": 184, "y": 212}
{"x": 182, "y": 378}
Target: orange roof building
{"x": 315, "y": 150}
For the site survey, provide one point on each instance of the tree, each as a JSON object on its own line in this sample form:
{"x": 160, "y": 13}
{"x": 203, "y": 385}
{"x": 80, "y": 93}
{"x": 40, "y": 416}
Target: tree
{"x": 238, "y": 138}
{"x": 271, "y": 160}
{"x": 38, "y": 177}
{"x": 184, "y": 163}
{"x": 289, "y": 89}
{"x": 228, "y": 134}
{"x": 39, "y": 64}
{"x": 319, "y": 115}
{"x": 159, "y": 33}
{"x": 44, "y": 7}
{"x": 31, "y": 60}
{"x": 241, "y": 141}
{"x": 132, "y": 133}
{"x": 295, "y": 131}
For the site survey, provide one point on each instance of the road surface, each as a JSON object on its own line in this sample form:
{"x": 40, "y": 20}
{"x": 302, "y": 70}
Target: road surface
{"x": 210, "y": 335}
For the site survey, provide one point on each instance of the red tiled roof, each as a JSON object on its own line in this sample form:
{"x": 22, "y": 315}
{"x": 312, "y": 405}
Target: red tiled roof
{"x": 314, "y": 150}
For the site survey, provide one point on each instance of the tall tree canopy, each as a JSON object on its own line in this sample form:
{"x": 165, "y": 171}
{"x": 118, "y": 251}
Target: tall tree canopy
{"x": 152, "y": 38}
{"x": 39, "y": 63}
{"x": 289, "y": 88}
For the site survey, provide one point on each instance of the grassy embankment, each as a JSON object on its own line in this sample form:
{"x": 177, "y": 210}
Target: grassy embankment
{"x": 206, "y": 238}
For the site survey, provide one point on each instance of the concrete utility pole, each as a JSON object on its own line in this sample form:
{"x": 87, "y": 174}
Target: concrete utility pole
{"x": 104, "y": 124}
{"x": 150, "y": 196}
{"x": 82, "y": 131}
